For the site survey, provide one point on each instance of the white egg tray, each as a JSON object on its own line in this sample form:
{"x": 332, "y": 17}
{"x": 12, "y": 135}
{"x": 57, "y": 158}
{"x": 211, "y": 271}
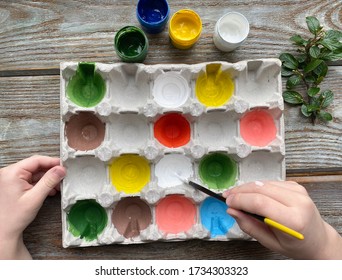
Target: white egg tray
{"x": 129, "y": 110}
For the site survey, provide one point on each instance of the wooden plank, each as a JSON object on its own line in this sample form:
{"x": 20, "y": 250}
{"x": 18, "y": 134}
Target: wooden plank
{"x": 44, "y": 236}
{"x": 39, "y": 34}
{"x": 29, "y": 124}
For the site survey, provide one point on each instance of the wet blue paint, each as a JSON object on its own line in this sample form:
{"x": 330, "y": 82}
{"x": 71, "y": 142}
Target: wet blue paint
{"x": 153, "y": 15}
{"x": 214, "y": 217}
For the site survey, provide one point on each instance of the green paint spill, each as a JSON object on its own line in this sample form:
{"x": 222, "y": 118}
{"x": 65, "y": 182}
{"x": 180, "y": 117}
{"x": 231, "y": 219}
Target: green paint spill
{"x": 87, "y": 87}
{"x": 218, "y": 171}
{"x": 87, "y": 219}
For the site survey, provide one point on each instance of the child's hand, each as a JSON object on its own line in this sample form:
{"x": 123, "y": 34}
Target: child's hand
{"x": 23, "y": 189}
{"x": 287, "y": 203}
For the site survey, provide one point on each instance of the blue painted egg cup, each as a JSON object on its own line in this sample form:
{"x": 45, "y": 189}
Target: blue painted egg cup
{"x": 153, "y": 15}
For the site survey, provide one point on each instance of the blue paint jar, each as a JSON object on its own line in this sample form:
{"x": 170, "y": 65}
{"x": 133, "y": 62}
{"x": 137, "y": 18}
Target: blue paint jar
{"x": 215, "y": 218}
{"x": 153, "y": 15}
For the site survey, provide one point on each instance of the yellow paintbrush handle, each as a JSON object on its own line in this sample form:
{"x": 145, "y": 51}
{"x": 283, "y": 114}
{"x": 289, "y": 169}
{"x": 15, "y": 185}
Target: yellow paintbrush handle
{"x": 284, "y": 228}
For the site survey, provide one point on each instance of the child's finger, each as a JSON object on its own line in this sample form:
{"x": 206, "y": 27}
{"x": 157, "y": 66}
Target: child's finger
{"x": 35, "y": 163}
{"x": 260, "y": 204}
{"x": 255, "y": 229}
{"x": 284, "y": 195}
{"x": 46, "y": 184}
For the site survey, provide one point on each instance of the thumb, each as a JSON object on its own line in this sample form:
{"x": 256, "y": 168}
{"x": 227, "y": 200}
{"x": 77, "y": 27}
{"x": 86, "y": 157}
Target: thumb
{"x": 48, "y": 182}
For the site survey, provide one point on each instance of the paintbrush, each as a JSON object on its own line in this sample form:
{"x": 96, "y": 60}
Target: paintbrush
{"x": 265, "y": 220}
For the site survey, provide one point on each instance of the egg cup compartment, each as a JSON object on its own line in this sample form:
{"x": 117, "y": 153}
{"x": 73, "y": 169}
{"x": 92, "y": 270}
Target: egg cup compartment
{"x": 129, "y": 87}
{"x": 262, "y": 165}
{"x": 259, "y": 84}
{"x": 127, "y": 155}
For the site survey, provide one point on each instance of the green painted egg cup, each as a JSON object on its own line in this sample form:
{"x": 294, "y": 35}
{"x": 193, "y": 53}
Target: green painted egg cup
{"x": 87, "y": 219}
{"x": 87, "y": 87}
{"x": 218, "y": 171}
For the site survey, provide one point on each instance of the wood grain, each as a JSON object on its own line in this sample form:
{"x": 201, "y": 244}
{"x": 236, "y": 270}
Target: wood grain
{"x": 35, "y": 36}
{"x": 40, "y": 34}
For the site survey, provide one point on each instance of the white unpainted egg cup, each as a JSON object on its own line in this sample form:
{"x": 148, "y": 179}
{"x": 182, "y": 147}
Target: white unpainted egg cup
{"x": 231, "y": 30}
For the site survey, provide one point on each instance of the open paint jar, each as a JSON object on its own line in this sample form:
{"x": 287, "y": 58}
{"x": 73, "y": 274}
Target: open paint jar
{"x": 171, "y": 90}
{"x": 87, "y": 219}
{"x": 172, "y": 130}
{"x": 218, "y": 171}
{"x": 129, "y": 173}
{"x": 175, "y": 214}
{"x": 130, "y": 216}
{"x": 87, "y": 87}
{"x": 131, "y": 44}
{"x": 214, "y": 87}
{"x": 153, "y": 15}
{"x": 257, "y": 128}
{"x": 185, "y": 28}
{"x": 84, "y": 131}
{"x": 214, "y": 217}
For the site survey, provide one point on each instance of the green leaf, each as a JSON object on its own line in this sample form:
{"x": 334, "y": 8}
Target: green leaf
{"x": 313, "y": 24}
{"x": 313, "y": 91}
{"x": 312, "y": 65}
{"x": 312, "y": 108}
{"x": 326, "y": 97}
{"x": 293, "y": 81}
{"x": 286, "y": 72}
{"x": 331, "y": 44}
{"x": 332, "y": 56}
{"x": 301, "y": 57}
{"x": 304, "y": 110}
{"x": 298, "y": 40}
{"x": 314, "y": 51}
{"x": 325, "y": 116}
{"x": 333, "y": 34}
{"x": 293, "y": 97}
{"x": 289, "y": 61}
{"x": 310, "y": 79}
{"x": 321, "y": 70}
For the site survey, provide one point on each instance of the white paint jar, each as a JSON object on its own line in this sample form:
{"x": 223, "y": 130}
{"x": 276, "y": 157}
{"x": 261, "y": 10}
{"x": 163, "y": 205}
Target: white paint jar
{"x": 231, "y": 30}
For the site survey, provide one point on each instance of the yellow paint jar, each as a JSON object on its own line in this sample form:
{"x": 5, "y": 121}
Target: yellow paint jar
{"x": 185, "y": 28}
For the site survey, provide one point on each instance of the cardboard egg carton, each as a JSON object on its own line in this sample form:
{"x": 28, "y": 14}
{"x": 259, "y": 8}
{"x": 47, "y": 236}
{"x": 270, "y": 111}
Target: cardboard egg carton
{"x": 136, "y": 97}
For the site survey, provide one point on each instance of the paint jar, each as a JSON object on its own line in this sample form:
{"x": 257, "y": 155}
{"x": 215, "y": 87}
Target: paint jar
{"x": 175, "y": 214}
{"x": 84, "y": 131}
{"x": 129, "y": 173}
{"x": 172, "y": 130}
{"x": 171, "y": 90}
{"x": 231, "y": 30}
{"x": 257, "y": 128}
{"x": 130, "y": 216}
{"x": 131, "y": 44}
{"x": 87, "y": 219}
{"x": 87, "y": 87}
{"x": 214, "y": 87}
{"x": 185, "y": 28}
{"x": 218, "y": 171}
{"x": 215, "y": 218}
{"x": 153, "y": 15}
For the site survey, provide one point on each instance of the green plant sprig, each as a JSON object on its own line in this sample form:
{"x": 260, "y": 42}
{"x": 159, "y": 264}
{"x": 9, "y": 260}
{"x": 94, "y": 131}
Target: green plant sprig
{"x": 309, "y": 67}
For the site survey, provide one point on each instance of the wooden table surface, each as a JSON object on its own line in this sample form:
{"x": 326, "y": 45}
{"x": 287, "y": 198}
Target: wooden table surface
{"x": 35, "y": 36}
